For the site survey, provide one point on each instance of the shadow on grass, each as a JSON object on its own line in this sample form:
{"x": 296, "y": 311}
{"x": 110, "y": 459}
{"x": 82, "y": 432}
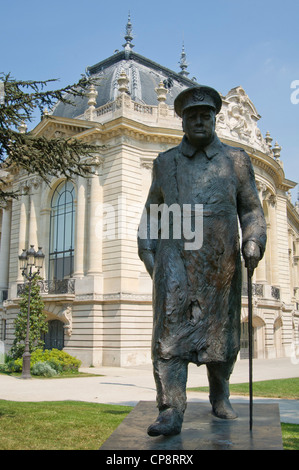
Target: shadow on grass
{"x": 115, "y": 412}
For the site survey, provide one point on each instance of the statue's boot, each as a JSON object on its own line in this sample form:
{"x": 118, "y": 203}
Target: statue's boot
{"x": 170, "y": 377}
{"x": 223, "y": 409}
{"x": 218, "y": 375}
{"x": 168, "y": 423}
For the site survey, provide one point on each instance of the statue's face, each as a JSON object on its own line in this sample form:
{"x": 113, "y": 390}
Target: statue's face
{"x": 199, "y": 125}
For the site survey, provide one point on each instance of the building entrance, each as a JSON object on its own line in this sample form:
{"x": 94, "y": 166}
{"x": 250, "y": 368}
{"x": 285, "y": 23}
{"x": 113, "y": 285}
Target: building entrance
{"x": 54, "y": 338}
{"x": 244, "y": 342}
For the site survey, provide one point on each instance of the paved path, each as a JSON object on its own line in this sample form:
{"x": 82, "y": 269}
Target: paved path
{"x": 129, "y": 385}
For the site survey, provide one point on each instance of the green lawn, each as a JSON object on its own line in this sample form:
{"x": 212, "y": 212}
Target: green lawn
{"x": 62, "y": 375}
{"x": 283, "y": 388}
{"x": 290, "y": 436}
{"x": 70, "y": 425}
{"x": 65, "y": 425}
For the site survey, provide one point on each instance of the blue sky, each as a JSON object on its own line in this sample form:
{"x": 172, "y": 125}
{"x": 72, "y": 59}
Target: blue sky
{"x": 252, "y": 43}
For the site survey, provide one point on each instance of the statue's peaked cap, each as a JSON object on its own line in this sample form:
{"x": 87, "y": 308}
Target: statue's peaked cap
{"x": 197, "y": 96}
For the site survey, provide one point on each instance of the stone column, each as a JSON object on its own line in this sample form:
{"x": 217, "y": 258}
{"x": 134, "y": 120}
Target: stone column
{"x": 94, "y": 248}
{"x": 260, "y": 272}
{"x": 273, "y": 240}
{"x": 23, "y": 226}
{"x": 296, "y": 262}
{"x": 34, "y": 212}
{"x": 80, "y": 219}
{"x": 5, "y": 246}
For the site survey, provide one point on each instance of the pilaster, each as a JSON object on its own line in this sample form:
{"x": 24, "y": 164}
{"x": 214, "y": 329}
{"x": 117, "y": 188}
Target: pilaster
{"x": 5, "y": 246}
{"x": 80, "y": 227}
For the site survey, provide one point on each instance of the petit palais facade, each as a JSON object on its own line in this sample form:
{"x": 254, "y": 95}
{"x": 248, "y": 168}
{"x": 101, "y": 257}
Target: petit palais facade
{"x": 97, "y": 294}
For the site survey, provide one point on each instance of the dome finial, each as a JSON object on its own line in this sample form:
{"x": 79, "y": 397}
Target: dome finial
{"x": 128, "y": 46}
{"x": 183, "y": 63}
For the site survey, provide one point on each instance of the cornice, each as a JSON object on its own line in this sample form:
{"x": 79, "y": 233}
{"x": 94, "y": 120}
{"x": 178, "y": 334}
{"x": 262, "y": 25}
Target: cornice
{"x": 140, "y": 131}
{"x": 117, "y": 298}
{"x": 118, "y": 126}
{"x": 61, "y": 123}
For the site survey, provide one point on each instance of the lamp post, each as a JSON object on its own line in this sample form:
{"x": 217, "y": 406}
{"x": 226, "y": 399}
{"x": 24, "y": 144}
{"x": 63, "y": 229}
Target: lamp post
{"x": 28, "y": 259}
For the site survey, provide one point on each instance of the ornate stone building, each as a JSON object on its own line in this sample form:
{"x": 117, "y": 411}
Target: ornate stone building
{"x": 96, "y": 291}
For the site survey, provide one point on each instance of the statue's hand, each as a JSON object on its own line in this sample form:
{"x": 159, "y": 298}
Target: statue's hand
{"x": 149, "y": 261}
{"x": 252, "y": 255}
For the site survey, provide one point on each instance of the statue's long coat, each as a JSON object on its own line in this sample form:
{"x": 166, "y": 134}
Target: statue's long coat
{"x": 197, "y": 293}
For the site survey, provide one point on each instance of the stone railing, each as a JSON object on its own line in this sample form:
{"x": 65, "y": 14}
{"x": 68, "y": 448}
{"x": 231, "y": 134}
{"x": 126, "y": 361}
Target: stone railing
{"x": 131, "y": 105}
{"x": 275, "y": 292}
{"x": 259, "y": 291}
{"x": 128, "y": 106}
{"x": 3, "y": 295}
{"x": 57, "y": 287}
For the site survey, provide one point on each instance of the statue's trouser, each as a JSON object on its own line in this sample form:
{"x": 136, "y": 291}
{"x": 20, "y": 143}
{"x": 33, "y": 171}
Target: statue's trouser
{"x": 171, "y": 378}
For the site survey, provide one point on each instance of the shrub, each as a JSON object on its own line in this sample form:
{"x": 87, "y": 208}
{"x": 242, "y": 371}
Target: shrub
{"x": 59, "y": 361}
{"x": 56, "y": 366}
{"x": 3, "y": 368}
{"x": 44, "y": 369}
{"x": 13, "y": 366}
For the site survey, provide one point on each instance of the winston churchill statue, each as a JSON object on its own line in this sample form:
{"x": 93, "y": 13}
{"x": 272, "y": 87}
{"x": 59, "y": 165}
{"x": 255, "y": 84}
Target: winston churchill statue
{"x": 197, "y": 287}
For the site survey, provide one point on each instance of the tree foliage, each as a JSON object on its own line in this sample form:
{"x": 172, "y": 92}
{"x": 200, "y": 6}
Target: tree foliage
{"x": 37, "y": 154}
{"x": 37, "y": 324}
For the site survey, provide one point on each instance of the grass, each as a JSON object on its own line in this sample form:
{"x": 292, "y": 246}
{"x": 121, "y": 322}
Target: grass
{"x": 65, "y": 425}
{"x": 290, "y": 436}
{"x": 71, "y": 425}
{"x": 283, "y": 388}
{"x": 61, "y": 375}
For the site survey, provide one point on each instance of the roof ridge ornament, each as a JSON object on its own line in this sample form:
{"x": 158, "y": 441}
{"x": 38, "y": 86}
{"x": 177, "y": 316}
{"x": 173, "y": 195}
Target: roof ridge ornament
{"x": 128, "y": 46}
{"x": 123, "y": 82}
{"x": 183, "y": 63}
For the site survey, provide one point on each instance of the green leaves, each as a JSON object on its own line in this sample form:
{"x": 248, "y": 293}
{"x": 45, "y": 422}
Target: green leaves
{"x": 37, "y": 154}
{"x": 38, "y": 324}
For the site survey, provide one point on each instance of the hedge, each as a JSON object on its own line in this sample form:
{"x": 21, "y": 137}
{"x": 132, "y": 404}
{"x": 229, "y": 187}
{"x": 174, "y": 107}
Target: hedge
{"x": 60, "y": 361}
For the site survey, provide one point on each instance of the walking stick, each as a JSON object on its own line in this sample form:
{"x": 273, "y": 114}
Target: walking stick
{"x": 249, "y": 293}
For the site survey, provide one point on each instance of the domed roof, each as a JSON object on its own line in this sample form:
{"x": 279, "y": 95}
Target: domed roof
{"x": 144, "y": 76}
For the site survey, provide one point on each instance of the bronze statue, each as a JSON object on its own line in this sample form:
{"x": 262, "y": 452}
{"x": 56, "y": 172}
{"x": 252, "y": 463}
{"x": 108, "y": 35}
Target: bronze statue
{"x": 197, "y": 290}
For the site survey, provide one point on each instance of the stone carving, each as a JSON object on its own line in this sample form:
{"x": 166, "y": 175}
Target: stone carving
{"x": 238, "y": 120}
{"x": 65, "y": 315}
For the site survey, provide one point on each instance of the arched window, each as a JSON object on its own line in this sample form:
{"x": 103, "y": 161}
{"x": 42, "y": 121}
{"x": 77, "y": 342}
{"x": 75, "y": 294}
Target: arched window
{"x": 62, "y": 224}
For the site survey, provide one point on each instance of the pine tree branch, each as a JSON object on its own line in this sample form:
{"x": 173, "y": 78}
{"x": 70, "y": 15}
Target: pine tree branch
{"x": 37, "y": 154}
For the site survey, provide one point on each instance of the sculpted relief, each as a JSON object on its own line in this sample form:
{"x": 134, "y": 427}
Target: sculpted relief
{"x": 238, "y": 120}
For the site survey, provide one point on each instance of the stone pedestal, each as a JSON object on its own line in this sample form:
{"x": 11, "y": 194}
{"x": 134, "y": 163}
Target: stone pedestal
{"x": 201, "y": 430}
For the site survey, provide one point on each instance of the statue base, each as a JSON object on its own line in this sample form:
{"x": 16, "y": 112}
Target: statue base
{"x": 201, "y": 430}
